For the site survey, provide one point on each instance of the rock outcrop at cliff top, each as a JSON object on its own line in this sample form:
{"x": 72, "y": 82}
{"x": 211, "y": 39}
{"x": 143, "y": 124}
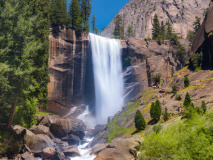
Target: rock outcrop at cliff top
{"x": 140, "y": 14}
{"x": 204, "y": 30}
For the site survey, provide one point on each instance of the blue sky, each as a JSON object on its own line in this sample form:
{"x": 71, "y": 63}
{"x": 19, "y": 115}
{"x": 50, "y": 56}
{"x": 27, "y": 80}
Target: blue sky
{"x": 105, "y": 10}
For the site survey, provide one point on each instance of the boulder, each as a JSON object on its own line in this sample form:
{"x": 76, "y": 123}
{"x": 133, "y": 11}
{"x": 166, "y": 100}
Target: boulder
{"x": 36, "y": 143}
{"x": 60, "y": 128}
{"x": 47, "y": 153}
{"x": 72, "y": 139}
{"x": 119, "y": 149}
{"x": 95, "y": 131}
{"x": 40, "y": 129}
{"x": 72, "y": 151}
{"x": 27, "y": 156}
{"x": 45, "y": 120}
{"x": 78, "y": 128}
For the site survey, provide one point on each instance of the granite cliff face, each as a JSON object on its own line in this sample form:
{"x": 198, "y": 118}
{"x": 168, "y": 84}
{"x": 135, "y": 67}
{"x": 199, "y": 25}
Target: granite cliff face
{"x": 67, "y": 63}
{"x": 140, "y": 14}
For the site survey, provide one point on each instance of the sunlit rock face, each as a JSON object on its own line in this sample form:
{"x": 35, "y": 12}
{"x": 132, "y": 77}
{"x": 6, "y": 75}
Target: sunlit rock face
{"x": 140, "y": 14}
{"x": 67, "y": 63}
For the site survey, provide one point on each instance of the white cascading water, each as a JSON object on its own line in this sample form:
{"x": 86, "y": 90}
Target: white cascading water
{"x": 108, "y": 79}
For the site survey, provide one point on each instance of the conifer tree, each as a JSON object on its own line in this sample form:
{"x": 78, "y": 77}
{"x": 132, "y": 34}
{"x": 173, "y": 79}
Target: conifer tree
{"x": 130, "y": 32}
{"x": 186, "y": 82}
{"x": 86, "y": 7}
{"x": 155, "y": 111}
{"x": 187, "y": 100}
{"x": 75, "y": 16}
{"x": 162, "y": 31}
{"x": 140, "y": 122}
{"x": 119, "y": 29}
{"x": 156, "y": 27}
{"x": 196, "y": 24}
{"x": 152, "y": 110}
{"x": 94, "y": 23}
{"x": 203, "y": 106}
{"x": 168, "y": 30}
{"x": 165, "y": 116}
{"x": 59, "y": 15}
{"x": 174, "y": 89}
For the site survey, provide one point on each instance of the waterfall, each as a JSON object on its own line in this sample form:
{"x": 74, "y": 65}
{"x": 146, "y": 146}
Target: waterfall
{"x": 107, "y": 68}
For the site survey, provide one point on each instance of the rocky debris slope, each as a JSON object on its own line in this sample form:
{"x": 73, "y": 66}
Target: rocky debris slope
{"x": 140, "y": 14}
{"x": 57, "y": 139}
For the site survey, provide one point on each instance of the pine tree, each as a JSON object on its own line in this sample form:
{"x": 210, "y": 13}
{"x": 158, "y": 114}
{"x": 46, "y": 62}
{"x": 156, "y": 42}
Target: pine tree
{"x": 140, "y": 122}
{"x": 119, "y": 29}
{"x": 152, "y": 110}
{"x": 59, "y": 15}
{"x": 94, "y": 23}
{"x": 196, "y": 24}
{"x": 86, "y": 7}
{"x": 75, "y": 16}
{"x": 156, "y": 27}
{"x": 168, "y": 30}
{"x": 174, "y": 89}
{"x": 165, "y": 116}
{"x": 186, "y": 82}
{"x": 155, "y": 111}
{"x": 187, "y": 100}
{"x": 203, "y": 106}
{"x": 162, "y": 31}
{"x": 130, "y": 32}
{"x": 96, "y": 31}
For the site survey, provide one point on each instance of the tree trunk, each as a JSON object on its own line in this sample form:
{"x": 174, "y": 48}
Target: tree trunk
{"x": 12, "y": 113}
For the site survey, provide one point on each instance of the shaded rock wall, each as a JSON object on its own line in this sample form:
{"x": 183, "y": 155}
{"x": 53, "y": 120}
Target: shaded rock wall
{"x": 67, "y": 63}
{"x": 140, "y": 14}
{"x": 148, "y": 58}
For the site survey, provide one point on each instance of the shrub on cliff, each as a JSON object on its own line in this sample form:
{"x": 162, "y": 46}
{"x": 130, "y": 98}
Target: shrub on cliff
{"x": 140, "y": 123}
{"x": 174, "y": 89}
{"x": 186, "y": 82}
{"x": 165, "y": 116}
{"x": 203, "y": 106}
{"x": 156, "y": 78}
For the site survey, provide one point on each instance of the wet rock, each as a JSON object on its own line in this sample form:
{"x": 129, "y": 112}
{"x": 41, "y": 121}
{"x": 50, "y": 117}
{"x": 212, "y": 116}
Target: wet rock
{"x": 72, "y": 151}
{"x": 83, "y": 141}
{"x": 45, "y": 120}
{"x": 78, "y": 128}
{"x": 72, "y": 139}
{"x": 47, "y": 153}
{"x": 95, "y": 131}
{"x": 40, "y": 129}
{"x": 60, "y": 128}
{"x": 98, "y": 148}
{"x": 27, "y": 156}
{"x": 36, "y": 143}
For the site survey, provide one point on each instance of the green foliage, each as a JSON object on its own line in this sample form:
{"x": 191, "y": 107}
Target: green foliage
{"x": 169, "y": 32}
{"x": 190, "y": 139}
{"x": 196, "y": 61}
{"x": 128, "y": 61}
{"x": 155, "y": 111}
{"x": 130, "y": 32}
{"x": 156, "y": 78}
{"x": 162, "y": 31}
{"x": 10, "y": 143}
{"x": 59, "y": 15}
{"x": 140, "y": 123}
{"x": 174, "y": 89}
{"x": 186, "y": 82}
{"x": 178, "y": 97}
{"x": 86, "y": 7}
{"x": 203, "y": 106}
{"x": 94, "y": 29}
{"x": 24, "y": 39}
{"x": 157, "y": 128}
{"x": 196, "y": 24}
{"x": 119, "y": 28}
{"x": 75, "y": 15}
{"x": 165, "y": 116}
{"x": 190, "y": 36}
{"x": 187, "y": 100}
{"x": 156, "y": 27}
